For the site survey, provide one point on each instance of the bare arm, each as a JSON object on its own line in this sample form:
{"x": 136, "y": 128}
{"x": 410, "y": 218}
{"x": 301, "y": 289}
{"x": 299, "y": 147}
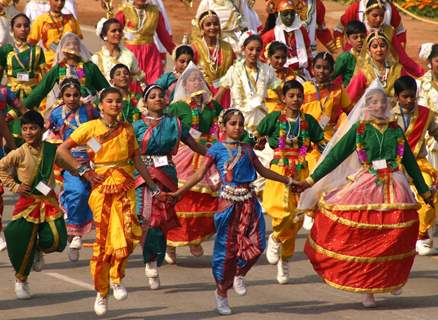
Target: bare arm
{"x": 4, "y": 130}
{"x": 196, "y": 147}
{"x": 269, "y": 174}
{"x": 143, "y": 170}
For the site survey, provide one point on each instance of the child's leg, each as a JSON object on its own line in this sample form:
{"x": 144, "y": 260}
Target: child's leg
{"x": 21, "y": 237}
{"x": 285, "y": 231}
{"x": 100, "y": 270}
{"x": 52, "y": 236}
{"x": 154, "y": 247}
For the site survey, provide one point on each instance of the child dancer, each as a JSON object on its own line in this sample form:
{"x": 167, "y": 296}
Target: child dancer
{"x": 355, "y": 33}
{"x": 159, "y": 135}
{"x": 63, "y": 120}
{"x": 182, "y": 55}
{"x": 290, "y": 134}
{"x": 418, "y": 122}
{"x": 112, "y": 198}
{"x": 325, "y": 100}
{"x": 121, "y": 79}
{"x": 240, "y": 226}
{"x": 50, "y": 27}
{"x": 37, "y": 223}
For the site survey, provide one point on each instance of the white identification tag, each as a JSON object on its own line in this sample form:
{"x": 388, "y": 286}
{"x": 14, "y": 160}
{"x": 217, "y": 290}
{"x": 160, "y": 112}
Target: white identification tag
{"x": 196, "y": 134}
{"x": 379, "y": 164}
{"x": 324, "y": 121}
{"x": 94, "y": 145}
{"x": 255, "y": 102}
{"x": 160, "y": 161}
{"x": 23, "y": 76}
{"x": 53, "y": 46}
{"x": 308, "y": 222}
{"x": 43, "y": 188}
{"x": 215, "y": 179}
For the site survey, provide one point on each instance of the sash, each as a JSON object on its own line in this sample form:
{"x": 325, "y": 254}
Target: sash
{"x": 301, "y": 52}
{"x": 45, "y": 167}
{"x": 416, "y": 131}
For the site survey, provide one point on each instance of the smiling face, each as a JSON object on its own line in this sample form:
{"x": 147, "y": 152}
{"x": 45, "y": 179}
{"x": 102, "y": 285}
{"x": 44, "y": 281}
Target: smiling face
{"x": 252, "y": 52}
{"x": 112, "y": 104}
{"x": 321, "y": 70}
{"x": 155, "y": 100}
{"x": 31, "y": 133}
{"x": 21, "y": 28}
{"x": 378, "y": 50}
{"x": 211, "y": 26}
{"x": 114, "y": 34}
{"x": 122, "y": 78}
{"x": 194, "y": 82}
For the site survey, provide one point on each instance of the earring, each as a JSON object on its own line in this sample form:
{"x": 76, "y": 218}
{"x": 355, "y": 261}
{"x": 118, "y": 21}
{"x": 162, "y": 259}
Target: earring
{"x": 105, "y": 38}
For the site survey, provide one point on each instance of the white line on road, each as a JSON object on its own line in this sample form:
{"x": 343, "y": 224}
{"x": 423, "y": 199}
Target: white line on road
{"x": 70, "y": 280}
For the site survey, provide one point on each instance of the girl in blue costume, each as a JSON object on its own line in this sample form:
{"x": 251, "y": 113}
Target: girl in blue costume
{"x": 63, "y": 120}
{"x": 158, "y": 136}
{"x": 240, "y": 226}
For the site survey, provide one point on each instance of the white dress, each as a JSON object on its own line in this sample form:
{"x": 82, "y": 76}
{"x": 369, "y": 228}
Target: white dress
{"x": 5, "y": 25}
{"x": 35, "y": 8}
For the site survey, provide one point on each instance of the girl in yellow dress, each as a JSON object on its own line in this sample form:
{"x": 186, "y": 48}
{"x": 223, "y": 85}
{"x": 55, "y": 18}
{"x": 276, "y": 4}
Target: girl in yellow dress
{"x": 112, "y": 198}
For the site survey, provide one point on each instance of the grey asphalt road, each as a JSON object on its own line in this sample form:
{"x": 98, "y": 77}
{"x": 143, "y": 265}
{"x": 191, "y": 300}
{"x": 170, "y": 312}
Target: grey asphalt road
{"x": 63, "y": 290}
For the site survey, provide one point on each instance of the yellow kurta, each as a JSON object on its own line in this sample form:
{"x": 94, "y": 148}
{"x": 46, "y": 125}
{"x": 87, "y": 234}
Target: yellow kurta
{"x": 49, "y": 30}
{"x": 113, "y": 202}
{"x": 328, "y": 106}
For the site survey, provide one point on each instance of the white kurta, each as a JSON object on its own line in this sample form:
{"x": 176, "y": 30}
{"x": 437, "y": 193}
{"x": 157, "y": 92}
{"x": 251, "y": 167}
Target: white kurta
{"x": 35, "y": 8}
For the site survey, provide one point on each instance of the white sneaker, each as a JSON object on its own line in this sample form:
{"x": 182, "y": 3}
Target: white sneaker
{"x": 151, "y": 269}
{"x": 425, "y": 247}
{"x": 170, "y": 256}
{"x": 283, "y": 271}
{"x": 397, "y": 292}
{"x": 154, "y": 283}
{"x": 3, "y": 244}
{"x": 119, "y": 292}
{"x": 368, "y": 300}
{"x": 73, "y": 254}
{"x": 100, "y": 305}
{"x": 22, "y": 290}
{"x": 76, "y": 243}
{"x": 38, "y": 261}
{"x": 273, "y": 250}
{"x": 222, "y": 305}
{"x": 239, "y": 285}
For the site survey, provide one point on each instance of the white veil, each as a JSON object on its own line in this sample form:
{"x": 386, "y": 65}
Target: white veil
{"x": 184, "y": 93}
{"x": 71, "y": 43}
{"x": 310, "y": 197}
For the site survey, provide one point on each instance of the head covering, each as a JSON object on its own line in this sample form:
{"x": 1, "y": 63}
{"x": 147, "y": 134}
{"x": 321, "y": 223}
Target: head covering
{"x": 425, "y": 51}
{"x": 183, "y": 91}
{"x": 99, "y": 26}
{"x": 365, "y": 59}
{"x": 285, "y": 5}
{"x": 370, "y": 6}
{"x": 71, "y": 43}
{"x": 245, "y": 36}
{"x": 310, "y": 197}
{"x": 206, "y": 14}
{"x": 369, "y": 112}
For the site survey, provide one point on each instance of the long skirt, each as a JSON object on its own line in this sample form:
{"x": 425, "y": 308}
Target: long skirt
{"x": 364, "y": 235}
{"x": 149, "y": 60}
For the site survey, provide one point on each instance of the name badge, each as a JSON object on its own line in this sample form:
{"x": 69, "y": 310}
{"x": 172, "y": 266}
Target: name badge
{"x": 43, "y": 188}
{"x": 196, "y": 134}
{"x": 23, "y": 76}
{"x": 94, "y": 145}
{"x": 255, "y": 102}
{"x": 379, "y": 164}
{"x": 53, "y": 46}
{"x": 160, "y": 161}
{"x": 324, "y": 121}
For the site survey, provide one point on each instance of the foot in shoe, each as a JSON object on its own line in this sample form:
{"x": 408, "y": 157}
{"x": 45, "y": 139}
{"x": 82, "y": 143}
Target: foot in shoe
{"x": 368, "y": 300}
{"x": 239, "y": 285}
{"x": 151, "y": 269}
{"x": 154, "y": 283}
{"x": 170, "y": 256}
{"x": 100, "y": 305}
{"x": 38, "y": 261}
{"x": 222, "y": 305}
{"x": 76, "y": 243}
{"x": 73, "y": 254}
{"x": 397, "y": 292}
{"x": 119, "y": 292}
{"x": 425, "y": 247}
{"x": 22, "y": 290}
{"x": 273, "y": 250}
{"x": 283, "y": 271}
{"x": 197, "y": 250}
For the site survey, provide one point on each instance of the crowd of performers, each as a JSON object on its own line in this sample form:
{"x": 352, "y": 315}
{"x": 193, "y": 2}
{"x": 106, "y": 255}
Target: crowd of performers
{"x": 252, "y": 120}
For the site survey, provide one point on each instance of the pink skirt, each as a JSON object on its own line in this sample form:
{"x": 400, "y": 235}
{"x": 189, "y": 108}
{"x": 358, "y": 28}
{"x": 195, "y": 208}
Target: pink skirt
{"x": 149, "y": 60}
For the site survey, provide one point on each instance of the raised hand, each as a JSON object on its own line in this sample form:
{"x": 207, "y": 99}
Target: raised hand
{"x": 260, "y": 144}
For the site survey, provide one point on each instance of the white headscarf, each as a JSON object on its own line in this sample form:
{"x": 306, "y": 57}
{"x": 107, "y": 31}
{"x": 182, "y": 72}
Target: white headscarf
{"x": 181, "y": 90}
{"x": 71, "y": 43}
{"x": 310, "y": 197}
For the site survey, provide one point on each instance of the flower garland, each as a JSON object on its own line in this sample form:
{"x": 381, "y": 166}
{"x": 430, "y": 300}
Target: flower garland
{"x": 303, "y": 132}
{"x": 79, "y": 72}
{"x": 363, "y": 157}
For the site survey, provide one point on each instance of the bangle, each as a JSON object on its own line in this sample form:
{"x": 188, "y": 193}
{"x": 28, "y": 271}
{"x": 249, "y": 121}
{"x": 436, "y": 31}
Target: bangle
{"x": 289, "y": 181}
{"x": 83, "y": 169}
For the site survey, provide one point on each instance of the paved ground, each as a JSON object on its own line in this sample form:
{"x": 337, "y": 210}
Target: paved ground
{"x": 63, "y": 291}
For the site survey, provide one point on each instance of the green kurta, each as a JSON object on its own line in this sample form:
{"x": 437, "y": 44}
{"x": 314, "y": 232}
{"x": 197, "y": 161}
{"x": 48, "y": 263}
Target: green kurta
{"x": 344, "y": 67}
{"x": 377, "y": 146}
{"x": 94, "y": 82}
{"x": 182, "y": 110}
{"x": 130, "y": 111}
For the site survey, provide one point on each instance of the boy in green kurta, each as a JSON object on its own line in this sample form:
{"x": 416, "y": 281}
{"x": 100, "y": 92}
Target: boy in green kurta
{"x": 37, "y": 223}
{"x": 356, "y": 33}
{"x": 290, "y": 134}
